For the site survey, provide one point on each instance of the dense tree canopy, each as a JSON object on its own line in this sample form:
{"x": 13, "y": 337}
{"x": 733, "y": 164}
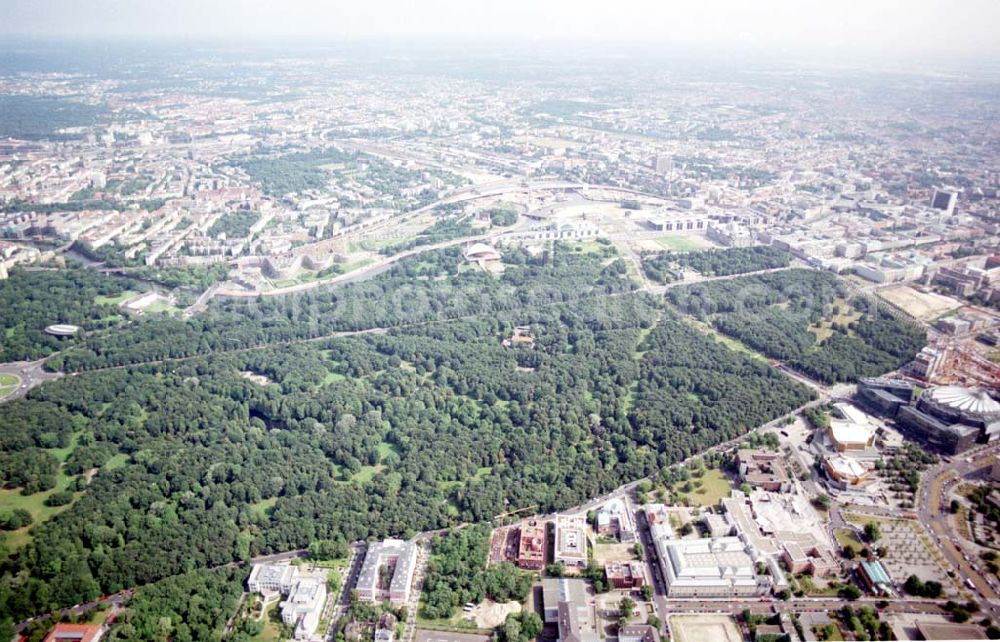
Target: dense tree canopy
{"x": 780, "y": 314}
{"x": 424, "y": 426}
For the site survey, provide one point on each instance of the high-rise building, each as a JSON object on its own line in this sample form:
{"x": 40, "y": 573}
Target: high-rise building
{"x": 663, "y": 164}
{"x": 944, "y": 200}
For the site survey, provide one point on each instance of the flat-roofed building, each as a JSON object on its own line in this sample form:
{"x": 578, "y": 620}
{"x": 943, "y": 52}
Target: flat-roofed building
{"x": 763, "y": 469}
{"x": 625, "y": 575}
{"x": 567, "y": 603}
{"x": 304, "y": 606}
{"x": 74, "y": 633}
{"x": 949, "y": 438}
{"x": 718, "y": 525}
{"x": 571, "y": 541}
{"x": 638, "y": 633}
{"x": 531, "y": 546}
{"x": 658, "y": 520}
{"x": 273, "y": 578}
{"x": 719, "y": 567}
{"x": 814, "y": 560}
{"x": 950, "y": 631}
{"x": 399, "y": 558}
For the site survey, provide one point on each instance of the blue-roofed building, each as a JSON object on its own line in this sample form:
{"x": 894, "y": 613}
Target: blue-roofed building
{"x": 875, "y": 577}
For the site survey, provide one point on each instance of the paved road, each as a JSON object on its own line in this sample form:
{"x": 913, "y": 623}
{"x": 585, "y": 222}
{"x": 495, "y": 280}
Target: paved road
{"x": 441, "y": 636}
{"x": 938, "y": 521}
{"x": 31, "y": 373}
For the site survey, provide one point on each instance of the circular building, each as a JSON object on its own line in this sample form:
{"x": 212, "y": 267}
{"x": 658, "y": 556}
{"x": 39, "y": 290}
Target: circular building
{"x": 62, "y": 330}
{"x": 481, "y": 252}
{"x": 969, "y": 406}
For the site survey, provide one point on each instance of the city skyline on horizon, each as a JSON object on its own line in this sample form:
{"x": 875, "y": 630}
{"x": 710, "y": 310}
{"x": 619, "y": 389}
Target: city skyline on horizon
{"x": 885, "y": 31}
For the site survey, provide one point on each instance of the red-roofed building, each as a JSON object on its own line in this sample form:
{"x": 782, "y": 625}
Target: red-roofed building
{"x": 74, "y": 633}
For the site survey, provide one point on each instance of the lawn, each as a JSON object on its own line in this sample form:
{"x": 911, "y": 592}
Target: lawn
{"x": 682, "y": 243}
{"x": 272, "y": 625}
{"x": 835, "y": 637}
{"x": 11, "y": 498}
{"x": 117, "y": 461}
{"x": 457, "y": 622}
{"x": 847, "y": 537}
{"x": 114, "y": 300}
{"x": 161, "y": 306}
{"x": 715, "y": 486}
{"x": 262, "y": 507}
{"x": 385, "y": 448}
{"x": 333, "y": 377}
{"x": 366, "y": 473}
{"x": 8, "y": 384}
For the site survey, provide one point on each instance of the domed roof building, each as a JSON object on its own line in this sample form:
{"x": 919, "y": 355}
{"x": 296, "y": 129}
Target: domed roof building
{"x": 969, "y": 406}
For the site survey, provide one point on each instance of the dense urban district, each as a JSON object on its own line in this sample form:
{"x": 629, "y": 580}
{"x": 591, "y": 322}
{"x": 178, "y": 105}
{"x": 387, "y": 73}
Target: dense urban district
{"x": 364, "y": 346}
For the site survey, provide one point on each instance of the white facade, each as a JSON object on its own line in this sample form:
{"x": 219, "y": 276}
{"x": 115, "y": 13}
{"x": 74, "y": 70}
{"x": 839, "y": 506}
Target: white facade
{"x": 304, "y": 607}
{"x": 399, "y": 554}
{"x": 273, "y": 578}
{"x": 714, "y": 567}
{"x": 571, "y": 541}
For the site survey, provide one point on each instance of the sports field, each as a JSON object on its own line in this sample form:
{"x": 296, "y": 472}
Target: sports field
{"x": 704, "y": 628}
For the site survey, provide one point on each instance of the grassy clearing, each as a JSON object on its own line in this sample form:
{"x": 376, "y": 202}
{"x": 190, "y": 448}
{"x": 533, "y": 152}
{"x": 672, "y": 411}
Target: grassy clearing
{"x": 160, "y": 307}
{"x": 117, "y": 461}
{"x": 333, "y": 377}
{"x": 8, "y": 384}
{"x": 367, "y": 473}
{"x": 457, "y": 622}
{"x": 385, "y": 448}
{"x": 731, "y": 343}
{"x": 115, "y": 300}
{"x": 715, "y": 486}
{"x": 262, "y": 507}
{"x": 835, "y": 636}
{"x": 272, "y": 625}
{"x": 11, "y": 498}
{"x": 846, "y": 537}
{"x": 681, "y": 243}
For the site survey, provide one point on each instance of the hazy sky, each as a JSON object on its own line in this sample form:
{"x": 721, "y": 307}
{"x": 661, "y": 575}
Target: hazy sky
{"x": 891, "y": 27}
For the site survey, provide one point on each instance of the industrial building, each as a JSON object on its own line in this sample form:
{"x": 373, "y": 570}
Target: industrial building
{"x": 571, "y": 541}
{"x": 566, "y": 601}
{"x": 401, "y": 559}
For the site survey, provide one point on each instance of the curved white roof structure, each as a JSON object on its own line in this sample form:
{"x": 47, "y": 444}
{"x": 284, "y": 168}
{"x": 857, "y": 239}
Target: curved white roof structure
{"x": 478, "y": 251}
{"x": 970, "y": 400}
{"x": 62, "y": 330}
{"x": 851, "y": 434}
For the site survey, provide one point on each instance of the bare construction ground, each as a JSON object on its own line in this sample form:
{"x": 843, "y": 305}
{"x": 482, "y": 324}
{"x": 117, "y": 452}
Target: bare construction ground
{"x": 492, "y": 614}
{"x": 920, "y": 305}
{"x": 704, "y": 628}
